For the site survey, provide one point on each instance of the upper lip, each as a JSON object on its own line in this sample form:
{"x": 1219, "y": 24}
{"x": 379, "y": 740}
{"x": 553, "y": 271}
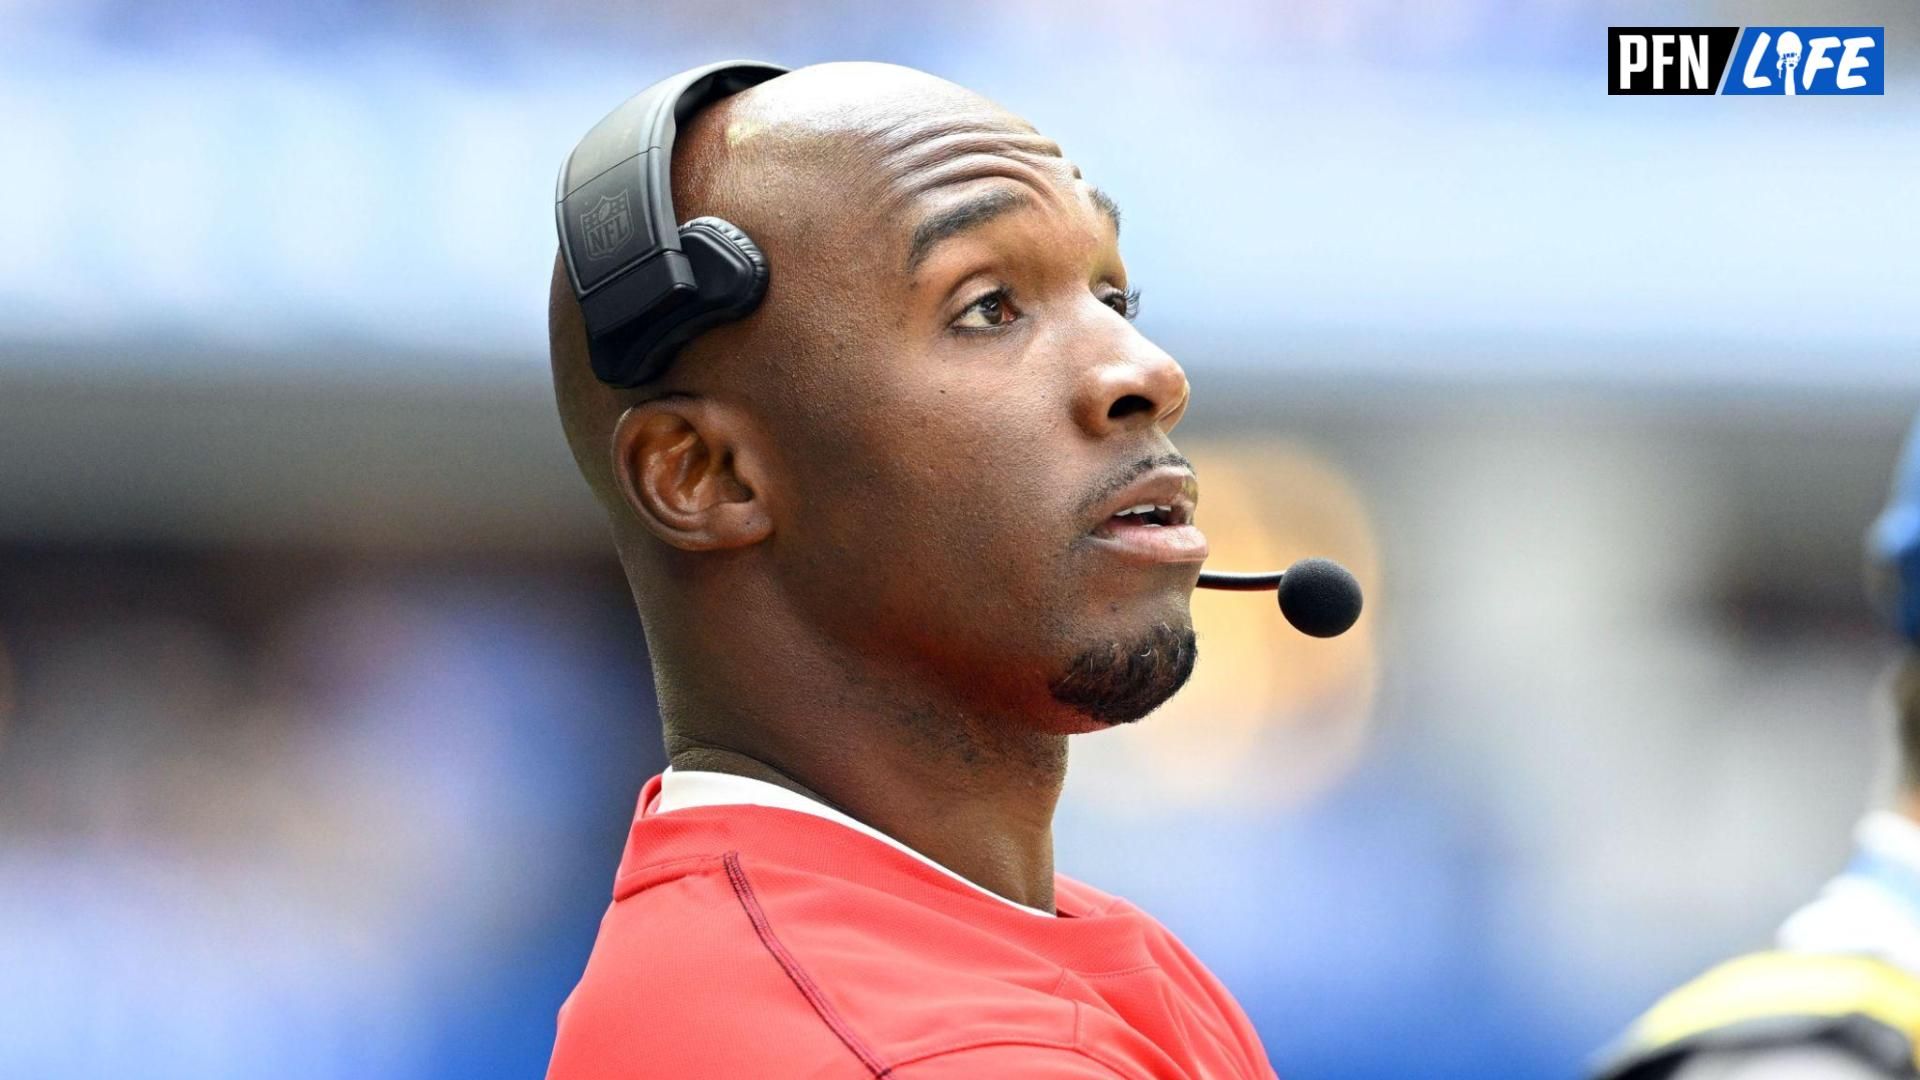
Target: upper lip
{"x": 1168, "y": 486}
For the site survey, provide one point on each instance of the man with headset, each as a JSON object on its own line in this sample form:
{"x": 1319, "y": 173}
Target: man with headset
{"x": 888, "y": 468}
{"x": 1839, "y": 998}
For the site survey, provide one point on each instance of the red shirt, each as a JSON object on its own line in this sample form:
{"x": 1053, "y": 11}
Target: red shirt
{"x": 752, "y": 942}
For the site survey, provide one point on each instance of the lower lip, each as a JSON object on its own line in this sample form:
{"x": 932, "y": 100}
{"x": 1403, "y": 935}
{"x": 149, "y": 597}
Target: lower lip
{"x": 1155, "y": 543}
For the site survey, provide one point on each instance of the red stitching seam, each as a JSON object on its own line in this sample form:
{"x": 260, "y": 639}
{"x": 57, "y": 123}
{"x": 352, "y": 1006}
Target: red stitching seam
{"x": 744, "y": 891}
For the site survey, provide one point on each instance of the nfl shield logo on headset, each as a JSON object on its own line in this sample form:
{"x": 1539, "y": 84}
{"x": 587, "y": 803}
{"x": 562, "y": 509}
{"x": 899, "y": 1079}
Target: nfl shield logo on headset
{"x": 607, "y": 225}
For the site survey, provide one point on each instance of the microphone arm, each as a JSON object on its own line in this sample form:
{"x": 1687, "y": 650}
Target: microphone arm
{"x": 1318, "y": 596}
{"x": 1214, "y": 579}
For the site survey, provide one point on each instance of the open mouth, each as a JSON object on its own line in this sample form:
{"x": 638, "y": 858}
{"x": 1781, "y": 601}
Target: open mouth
{"x": 1148, "y": 516}
{"x": 1151, "y": 520}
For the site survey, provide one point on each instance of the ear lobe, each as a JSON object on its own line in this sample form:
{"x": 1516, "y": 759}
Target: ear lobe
{"x": 678, "y": 462}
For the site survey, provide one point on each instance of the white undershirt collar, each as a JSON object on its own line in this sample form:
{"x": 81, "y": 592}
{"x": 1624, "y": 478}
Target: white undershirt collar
{"x": 684, "y": 790}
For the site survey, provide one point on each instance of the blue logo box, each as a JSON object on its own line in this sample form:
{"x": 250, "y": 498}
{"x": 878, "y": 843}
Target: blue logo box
{"x": 1812, "y": 60}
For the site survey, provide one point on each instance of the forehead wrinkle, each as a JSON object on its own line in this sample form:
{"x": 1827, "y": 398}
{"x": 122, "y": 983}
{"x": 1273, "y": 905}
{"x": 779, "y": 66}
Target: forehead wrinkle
{"x": 930, "y": 148}
{"x": 915, "y": 156}
{"x": 1034, "y": 191}
{"x": 905, "y": 194}
{"x": 955, "y": 162}
{"x": 911, "y": 153}
{"x": 935, "y": 121}
{"x": 971, "y": 167}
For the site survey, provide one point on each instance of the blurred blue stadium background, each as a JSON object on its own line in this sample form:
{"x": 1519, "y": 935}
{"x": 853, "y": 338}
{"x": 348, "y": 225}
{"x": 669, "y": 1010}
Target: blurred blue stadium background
{"x": 323, "y": 707}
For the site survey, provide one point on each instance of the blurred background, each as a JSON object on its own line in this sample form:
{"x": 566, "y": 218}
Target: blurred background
{"x": 323, "y": 706}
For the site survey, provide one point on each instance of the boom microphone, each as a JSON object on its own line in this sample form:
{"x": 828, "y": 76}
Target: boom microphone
{"x": 1318, "y": 596}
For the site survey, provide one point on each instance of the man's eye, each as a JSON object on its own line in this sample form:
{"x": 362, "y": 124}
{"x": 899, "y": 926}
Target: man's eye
{"x": 1126, "y": 303}
{"x": 992, "y": 310}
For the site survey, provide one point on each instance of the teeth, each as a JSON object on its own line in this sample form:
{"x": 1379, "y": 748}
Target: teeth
{"x": 1143, "y": 508}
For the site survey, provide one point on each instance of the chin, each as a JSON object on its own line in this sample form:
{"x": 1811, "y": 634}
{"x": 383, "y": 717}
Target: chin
{"x": 1120, "y": 678}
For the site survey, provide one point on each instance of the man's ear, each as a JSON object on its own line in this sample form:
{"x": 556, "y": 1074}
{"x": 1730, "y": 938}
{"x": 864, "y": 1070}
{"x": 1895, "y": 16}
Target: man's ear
{"x": 680, "y": 463}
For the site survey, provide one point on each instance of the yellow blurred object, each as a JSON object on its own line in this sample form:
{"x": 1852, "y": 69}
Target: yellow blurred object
{"x": 1772, "y": 998}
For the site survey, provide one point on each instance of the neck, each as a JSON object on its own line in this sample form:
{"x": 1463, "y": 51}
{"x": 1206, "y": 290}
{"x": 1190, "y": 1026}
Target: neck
{"x": 975, "y": 794}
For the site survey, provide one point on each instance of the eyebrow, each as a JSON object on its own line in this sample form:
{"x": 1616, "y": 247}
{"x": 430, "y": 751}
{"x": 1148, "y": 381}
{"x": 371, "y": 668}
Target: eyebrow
{"x": 958, "y": 218}
{"x": 961, "y": 217}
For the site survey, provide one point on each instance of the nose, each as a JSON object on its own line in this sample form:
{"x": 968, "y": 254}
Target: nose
{"x": 1134, "y": 386}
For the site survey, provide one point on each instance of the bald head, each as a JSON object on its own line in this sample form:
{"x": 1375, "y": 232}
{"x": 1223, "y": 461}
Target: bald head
{"x": 896, "y": 468}
{"x": 808, "y": 164}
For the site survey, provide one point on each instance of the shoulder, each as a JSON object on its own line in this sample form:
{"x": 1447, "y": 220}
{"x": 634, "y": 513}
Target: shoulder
{"x": 1078, "y": 897}
{"x": 676, "y": 978}
{"x": 1165, "y": 949}
{"x": 728, "y": 965}
{"x": 1009, "y": 1059}
{"x": 1182, "y": 973}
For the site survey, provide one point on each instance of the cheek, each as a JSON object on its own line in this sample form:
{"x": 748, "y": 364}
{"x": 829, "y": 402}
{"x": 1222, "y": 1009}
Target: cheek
{"x": 958, "y": 502}
{"x": 999, "y": 518}
{"x": 983, "y": 462}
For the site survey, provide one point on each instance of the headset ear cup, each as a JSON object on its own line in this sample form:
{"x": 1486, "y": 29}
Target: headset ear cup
{"x": 729, "y": 266}
{"x": 730, "y": 274}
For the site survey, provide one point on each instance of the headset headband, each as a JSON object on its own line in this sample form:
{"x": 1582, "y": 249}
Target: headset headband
{"x": 645, "y": 283}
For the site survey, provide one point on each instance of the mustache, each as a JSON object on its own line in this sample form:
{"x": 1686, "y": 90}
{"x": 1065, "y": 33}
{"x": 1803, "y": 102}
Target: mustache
{"x": 1110, "y": 486}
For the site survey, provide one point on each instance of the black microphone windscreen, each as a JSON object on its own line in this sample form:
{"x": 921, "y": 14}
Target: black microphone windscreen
{"x": 1319, "y": 597}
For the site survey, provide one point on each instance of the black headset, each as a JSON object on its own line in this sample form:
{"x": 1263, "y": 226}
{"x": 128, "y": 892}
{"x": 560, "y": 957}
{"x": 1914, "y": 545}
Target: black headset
{"x": 646, "y": 283}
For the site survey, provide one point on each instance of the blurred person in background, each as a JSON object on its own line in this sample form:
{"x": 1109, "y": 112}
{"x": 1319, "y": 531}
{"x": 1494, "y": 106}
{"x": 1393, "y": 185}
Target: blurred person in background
{"x": 1839, "y": 997}
{"x": 893, "y": 537}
